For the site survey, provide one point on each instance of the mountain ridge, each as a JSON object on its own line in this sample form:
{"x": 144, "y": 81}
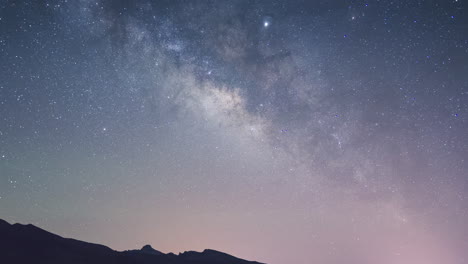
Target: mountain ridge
{"x": 30, "y": 244}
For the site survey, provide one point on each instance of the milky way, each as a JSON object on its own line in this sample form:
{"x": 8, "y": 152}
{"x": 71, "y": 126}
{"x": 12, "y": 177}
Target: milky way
{"x": 283, "y": 132}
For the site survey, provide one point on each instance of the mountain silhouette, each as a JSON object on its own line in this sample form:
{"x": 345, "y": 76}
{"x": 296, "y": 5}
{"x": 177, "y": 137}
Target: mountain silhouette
{"x": 149, "y": 250}
{"x": 29, "y": 244}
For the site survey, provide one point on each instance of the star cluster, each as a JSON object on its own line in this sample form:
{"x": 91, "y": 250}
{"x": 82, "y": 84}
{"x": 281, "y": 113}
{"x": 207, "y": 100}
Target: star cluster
{"x": 280, "y": 131}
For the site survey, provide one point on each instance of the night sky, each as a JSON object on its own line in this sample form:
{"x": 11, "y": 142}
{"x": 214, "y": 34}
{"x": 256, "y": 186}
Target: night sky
{"x": 278, "y": 131}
